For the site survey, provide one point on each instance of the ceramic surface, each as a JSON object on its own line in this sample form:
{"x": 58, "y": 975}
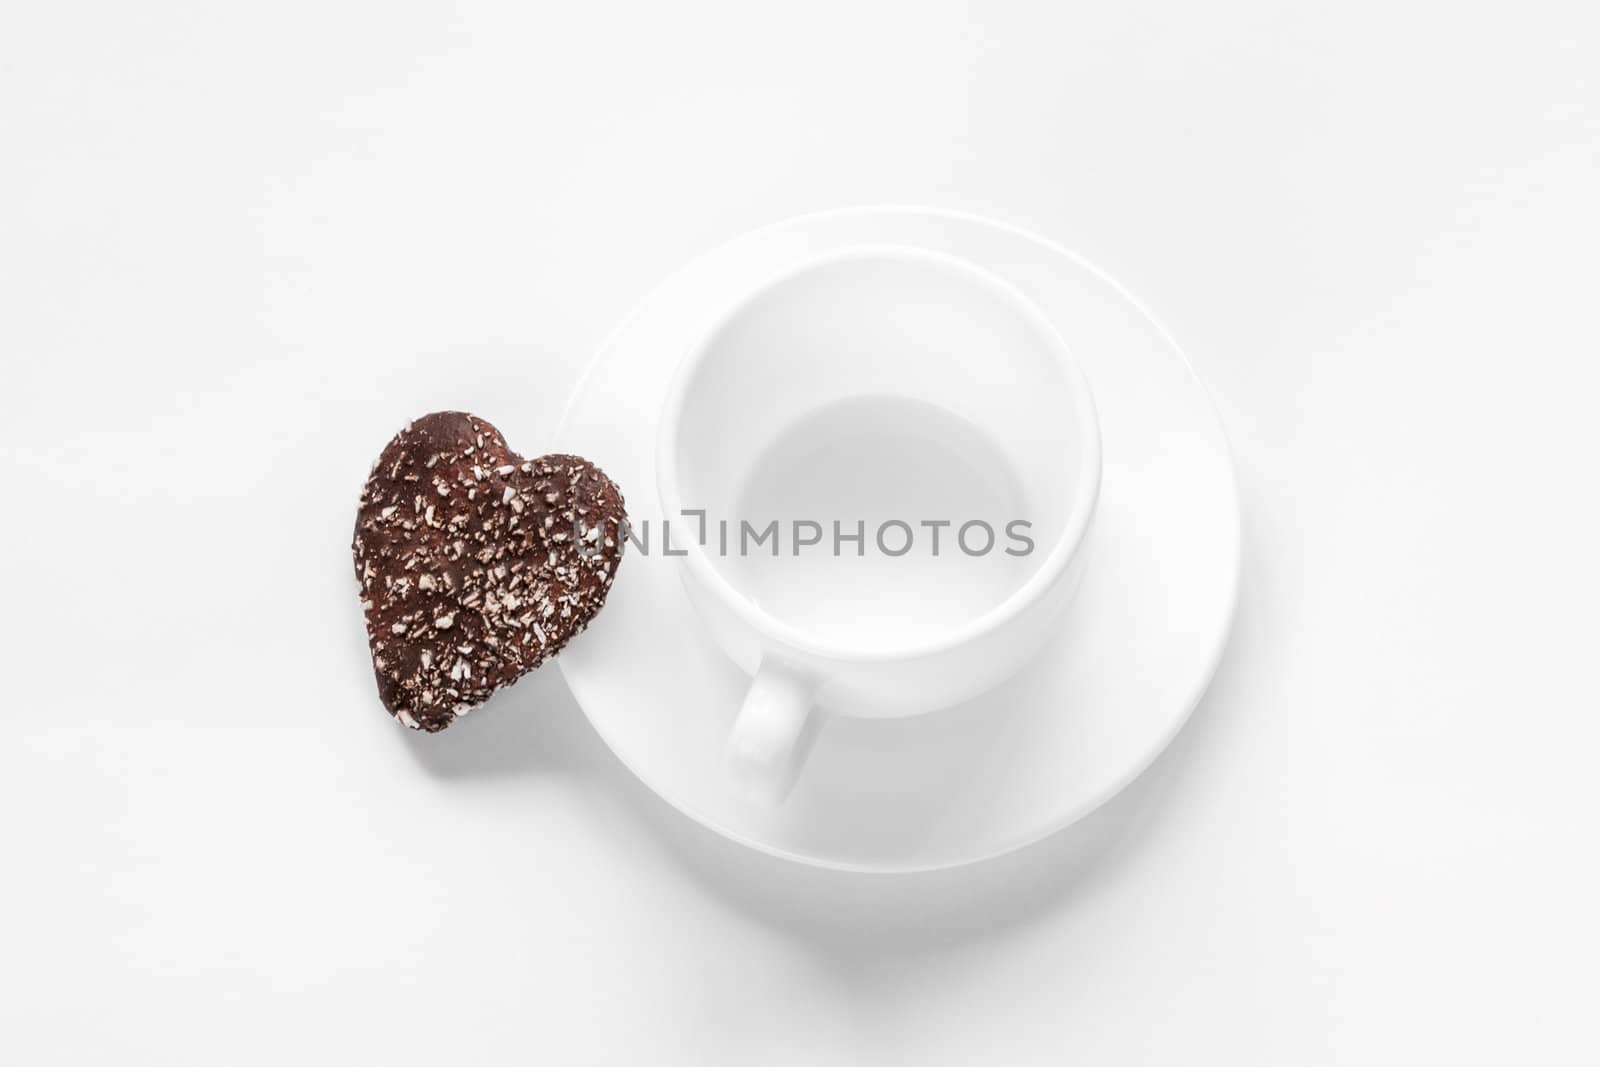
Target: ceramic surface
{"x": 1116, "y": 679}
{"x": 846, "y": 409}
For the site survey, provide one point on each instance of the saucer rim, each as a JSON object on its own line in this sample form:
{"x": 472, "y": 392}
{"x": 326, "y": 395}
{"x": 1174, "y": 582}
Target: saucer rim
{"x": 1219, "y": 643}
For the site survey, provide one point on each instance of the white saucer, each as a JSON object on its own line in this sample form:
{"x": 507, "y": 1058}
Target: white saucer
{"x": 1104, "y": 698}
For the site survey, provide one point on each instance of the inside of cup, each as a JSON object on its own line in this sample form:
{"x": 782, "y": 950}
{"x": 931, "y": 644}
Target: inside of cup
{"x": 886, "y": 446}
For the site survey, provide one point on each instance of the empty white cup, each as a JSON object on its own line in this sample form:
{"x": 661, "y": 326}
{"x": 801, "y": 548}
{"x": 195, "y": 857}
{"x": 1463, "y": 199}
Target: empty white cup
{"x": 889, "y": 390}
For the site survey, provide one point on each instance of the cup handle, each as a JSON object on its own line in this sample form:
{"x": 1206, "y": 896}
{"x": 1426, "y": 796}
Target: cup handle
{"x": 773, "y": 734}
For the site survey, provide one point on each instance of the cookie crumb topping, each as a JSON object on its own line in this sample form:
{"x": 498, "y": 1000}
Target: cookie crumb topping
{"x": 486, "y": 578}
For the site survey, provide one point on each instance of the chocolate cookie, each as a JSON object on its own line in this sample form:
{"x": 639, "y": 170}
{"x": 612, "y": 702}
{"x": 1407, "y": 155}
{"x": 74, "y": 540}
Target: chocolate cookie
{"x": 475, "y": 564}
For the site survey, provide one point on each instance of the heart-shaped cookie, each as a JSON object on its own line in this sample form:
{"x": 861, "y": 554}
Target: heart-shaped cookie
{"x": 476, "y": 565}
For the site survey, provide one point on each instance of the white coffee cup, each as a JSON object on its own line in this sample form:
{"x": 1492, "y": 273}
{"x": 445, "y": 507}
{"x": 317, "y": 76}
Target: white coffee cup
{"x": 886, "y": 389}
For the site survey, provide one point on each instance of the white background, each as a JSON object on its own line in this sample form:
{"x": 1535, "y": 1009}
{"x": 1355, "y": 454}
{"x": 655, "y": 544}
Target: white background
{"x": 241, "y": 244}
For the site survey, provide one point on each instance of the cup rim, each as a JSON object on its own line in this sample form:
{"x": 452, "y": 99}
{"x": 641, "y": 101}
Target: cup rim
{"x": 1066, "y": 547}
